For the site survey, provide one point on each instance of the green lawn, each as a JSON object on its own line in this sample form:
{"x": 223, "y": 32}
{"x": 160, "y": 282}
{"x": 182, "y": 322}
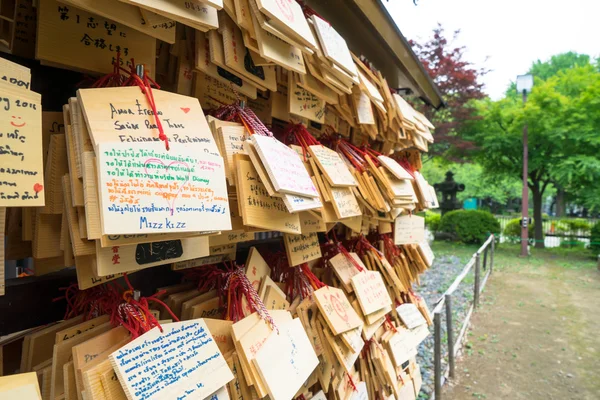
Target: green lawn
{"x": 507, "y": 256}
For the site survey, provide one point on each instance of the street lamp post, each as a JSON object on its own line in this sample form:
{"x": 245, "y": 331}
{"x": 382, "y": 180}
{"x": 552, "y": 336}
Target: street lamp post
{"x": 524, "y": 86}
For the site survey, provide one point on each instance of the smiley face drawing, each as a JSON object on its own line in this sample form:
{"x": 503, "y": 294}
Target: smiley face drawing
{"x": 16, "y": 122}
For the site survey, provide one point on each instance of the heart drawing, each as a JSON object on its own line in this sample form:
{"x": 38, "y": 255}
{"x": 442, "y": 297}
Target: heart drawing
{"x": 38, "y": 188}
{"x": 185, "y": 109}
{"x": 166, "y": 167}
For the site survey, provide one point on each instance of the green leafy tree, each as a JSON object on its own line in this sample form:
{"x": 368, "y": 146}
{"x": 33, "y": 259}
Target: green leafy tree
{"x": 563, "y": 116}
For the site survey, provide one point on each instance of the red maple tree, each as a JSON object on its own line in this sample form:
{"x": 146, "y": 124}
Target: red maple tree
{"x": 458, "y": 81}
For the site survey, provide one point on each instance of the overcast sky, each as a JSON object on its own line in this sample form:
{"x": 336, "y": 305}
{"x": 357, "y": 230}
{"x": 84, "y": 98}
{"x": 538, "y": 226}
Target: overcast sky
{"x": 512, "y": 33}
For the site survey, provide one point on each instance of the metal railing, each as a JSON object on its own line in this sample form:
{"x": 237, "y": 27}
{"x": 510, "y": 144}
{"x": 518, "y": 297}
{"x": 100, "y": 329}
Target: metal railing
{"x": 445, "y": 303}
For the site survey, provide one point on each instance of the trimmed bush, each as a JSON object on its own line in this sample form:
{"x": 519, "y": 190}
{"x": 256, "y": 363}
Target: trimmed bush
{"x": 595, "y": 238}
{"x": 469, "y": 226}
{"x": 512, "y": 231}
{"x": 572, "y": 244}
{"x": 432, "y": 221}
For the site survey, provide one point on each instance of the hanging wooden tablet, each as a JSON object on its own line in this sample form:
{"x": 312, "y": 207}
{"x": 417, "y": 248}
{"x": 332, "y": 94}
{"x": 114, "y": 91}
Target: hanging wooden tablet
{"x": 344, "y": 202}
{"x": 334, "y": 46}
{"x": 371, "y": 291}
{"x": 128, "y": 240}
{"x": 90, "y": 192}
{"x": 20, "y": 386}
{"x": 201, "y": 372}
{"x": 333, "y": 167}
{"x": 217, "y": 57}
{"x": 288, "y": 353}
{"x": 258, "y": 208}
{"x": 362, "y": 107}
{"x": 62, "y": 353}
{"x": 409, "y": 229}
{"x": 336, "y": 310}
{"x": 118, "y": 259}
{"x": 127, "y": 15}
{"x": 288, "y": 17}
{"x": 186, "y": 306}
{"x": 46, "y": 239}
{"x": 340, "y": 74}
{"x": 343, "y": 354}
{"x": 410, "y": 315}
{"x": 260, "y": 169}
{"x": 231, "y": 237}
{"x": 238, "y": 57}
{"x": 56, "y": 167}
{"x": 132, "y": 120}
{"x": 284, "y": 166}
{"x": 312, "y": 222}
{"x": 221, "y": 333}
{"x": 175, "y": 300}
{"x": 92, "y": 372}
{"x": 395, "y": 168}
{"x": 238, "y": 387}
{"x": 296, "y": 204}
{"x": 274, "y": 300}
{"x": 401, "y": 347}
{"x": 89, "y": 350}
{"x": 372, "y": 89}
{"x": 209, "y": 309}
{"x": 426, "y": 252}
{"x": 87, "y": 274}
{"x": 81, "y": 247}
{"x": 80, "y": 136}
{"x": 232, "y": 139}
{"x": 256, "y": 268}
{"x": 226, "y": 78}
{"x": 196, "y": 15}
{"x": 301, "y": 248}
{"x": 21, "y": 161}
{"x": 344, "y": 269}
{"x": 318, "y": 88}
{"x": 279, "y": 51}
{"x": 265, "y": 283}
{"x": 252, "y": 341}
{"x": 303, "y": 103}
{"x": 153, "y": 18}
{"x": 91, "y": 46}
{"x": 202, "y": 261}
{"x": 15, "y": 74}
{"x": 222, "y": 249}
{"x": 165, "y": 194}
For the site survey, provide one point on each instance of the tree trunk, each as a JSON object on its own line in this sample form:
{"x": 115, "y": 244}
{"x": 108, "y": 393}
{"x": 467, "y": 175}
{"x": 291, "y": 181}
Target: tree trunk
{"x": 537, "y": 215}
{"x": 561, "y": 203}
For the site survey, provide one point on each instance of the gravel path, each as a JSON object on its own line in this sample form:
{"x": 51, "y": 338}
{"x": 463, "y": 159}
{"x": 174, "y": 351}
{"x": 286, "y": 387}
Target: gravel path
{"x": 434, "y": 283}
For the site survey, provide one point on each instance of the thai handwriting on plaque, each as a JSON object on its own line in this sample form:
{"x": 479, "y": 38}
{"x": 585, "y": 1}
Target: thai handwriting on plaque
{"x": 21, "y": 161}
{"x": 182, "y": 362}
{"x": 146, "y": 189}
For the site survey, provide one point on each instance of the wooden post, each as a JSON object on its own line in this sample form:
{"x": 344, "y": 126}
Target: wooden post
{"x": 492, "y": 255}
{"x": 437, "y": 332}
{"x": 485, "y": 257}
{"x": 476, "y": 286}
{"x": 450, "y": 333}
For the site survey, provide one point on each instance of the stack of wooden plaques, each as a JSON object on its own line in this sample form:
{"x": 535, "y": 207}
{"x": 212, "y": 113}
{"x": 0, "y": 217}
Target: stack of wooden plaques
{"x": 21, "y": 163}
{"x": 127, "y": 178}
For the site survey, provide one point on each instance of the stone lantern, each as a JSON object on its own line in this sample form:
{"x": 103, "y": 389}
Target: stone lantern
{"x": 449, "y": 188}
